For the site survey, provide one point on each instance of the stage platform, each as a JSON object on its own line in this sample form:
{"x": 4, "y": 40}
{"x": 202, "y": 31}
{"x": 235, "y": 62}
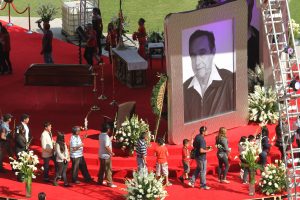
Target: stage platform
{"x": 67, "y": 106}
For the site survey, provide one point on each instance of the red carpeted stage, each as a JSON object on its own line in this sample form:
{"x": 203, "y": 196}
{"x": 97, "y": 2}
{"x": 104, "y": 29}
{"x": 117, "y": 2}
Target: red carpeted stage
{"x": 67, "y": 106}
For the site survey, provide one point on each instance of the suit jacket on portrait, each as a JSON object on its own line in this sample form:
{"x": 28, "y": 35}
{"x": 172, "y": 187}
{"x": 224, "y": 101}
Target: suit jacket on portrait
{"x": 217, "y": 99}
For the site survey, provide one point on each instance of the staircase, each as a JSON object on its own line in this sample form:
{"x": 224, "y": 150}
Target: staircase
{"x": 285, "y": 66}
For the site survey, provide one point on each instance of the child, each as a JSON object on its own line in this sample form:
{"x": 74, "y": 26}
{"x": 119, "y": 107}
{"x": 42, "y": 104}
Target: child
{"x": 244, "y": 171}
{"x": 161, "y": 153}
{"x": 185, "y": 160}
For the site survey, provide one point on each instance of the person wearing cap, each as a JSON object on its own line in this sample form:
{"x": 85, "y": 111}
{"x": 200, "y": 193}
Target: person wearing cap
{"x": 105, "y": 154}
{"x": 77, "y": 158}
{"x": 47, "y": 143}
{"x": 6, "y": 136}
{"x": 200, "y": 156}
{"x": 24, "y": 126}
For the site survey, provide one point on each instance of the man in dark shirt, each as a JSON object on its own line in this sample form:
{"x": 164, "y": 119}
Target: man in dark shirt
{"x": 200, "y": 157}
{"x": 47, "y": 42}
{"x": 210, "y": 91}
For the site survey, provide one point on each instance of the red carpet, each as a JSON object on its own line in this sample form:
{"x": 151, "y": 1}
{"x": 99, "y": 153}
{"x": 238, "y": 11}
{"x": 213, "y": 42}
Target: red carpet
{"x": 67, "y": 106}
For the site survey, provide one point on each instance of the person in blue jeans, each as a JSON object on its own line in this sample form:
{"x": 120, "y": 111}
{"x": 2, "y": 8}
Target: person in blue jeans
{"x": 199, "y": 145}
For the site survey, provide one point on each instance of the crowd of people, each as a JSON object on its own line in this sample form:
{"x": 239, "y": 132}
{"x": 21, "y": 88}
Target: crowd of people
{"x": 61, "y": 152}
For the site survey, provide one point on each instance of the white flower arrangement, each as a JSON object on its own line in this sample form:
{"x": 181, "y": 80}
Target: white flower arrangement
{"x": 145, "y": 186}
{"x": 250, "y": 155}
{"x": 263, "y": 105}
{"x": 273, "y": 179}
{"x": 25, "y": 164}
{"x": 296, "y": 28}
{"x": 129, "y": 132}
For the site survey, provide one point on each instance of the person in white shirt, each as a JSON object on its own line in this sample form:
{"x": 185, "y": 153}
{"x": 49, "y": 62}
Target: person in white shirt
{"x": 78, "y": 161}
{"x": 62, "y": 159}
{"x": 105, "y": 154}
{"x": 47, "y": 143}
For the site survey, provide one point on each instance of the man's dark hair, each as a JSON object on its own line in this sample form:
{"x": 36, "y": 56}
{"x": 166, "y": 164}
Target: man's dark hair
{"x": 42, "y": 196}
{"x": 265, "y": 131}
{"x": 202, "y": 129}
{"x": 243, "y": 139}
{"x": 105, "y": 127}
{"x": 160, "y": 141}
{"x": 46, "y": 124}
{"x": 24, "y": 116}
{"x": 185, "y": 141}
{"x": 7, "y": 117}
{"x": 75, "y": 129}
{"x": 251, "y": 138}
{"x": 142, "y": 20}
{"x": 199, "y": 33}
{"x": 143, "y": 135}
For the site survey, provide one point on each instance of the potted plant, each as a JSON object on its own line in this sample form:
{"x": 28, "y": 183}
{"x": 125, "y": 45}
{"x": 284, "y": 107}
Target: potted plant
{"x": 46, "y": 12}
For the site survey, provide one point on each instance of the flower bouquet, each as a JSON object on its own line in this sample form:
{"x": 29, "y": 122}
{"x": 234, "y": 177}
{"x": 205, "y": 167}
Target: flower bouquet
{"x": 145, "y": 186}
{"x": 26, "y": 165}
{"x": 273, "y": 179}
{"x": 263, "y": 105}
{"x": 47, "y": 12}
{"x": 129, "y": 132}
{"x": 250, "y": 155}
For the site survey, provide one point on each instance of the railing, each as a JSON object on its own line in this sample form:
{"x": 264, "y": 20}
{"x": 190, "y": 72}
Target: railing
{"x": 11, "y": 4}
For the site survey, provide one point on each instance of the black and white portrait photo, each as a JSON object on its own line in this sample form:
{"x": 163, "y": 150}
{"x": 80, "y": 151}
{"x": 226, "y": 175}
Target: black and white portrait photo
{"x": 208, "y": 70}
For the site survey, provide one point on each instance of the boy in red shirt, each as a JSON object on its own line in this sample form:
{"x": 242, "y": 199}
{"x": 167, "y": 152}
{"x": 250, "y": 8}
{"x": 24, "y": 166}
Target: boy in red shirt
{"x": 185, "y": 160}
{"x": 161, "y": 153}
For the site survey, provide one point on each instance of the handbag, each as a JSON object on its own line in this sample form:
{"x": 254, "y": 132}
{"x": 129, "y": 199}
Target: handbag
{"x": 193, "y": 153}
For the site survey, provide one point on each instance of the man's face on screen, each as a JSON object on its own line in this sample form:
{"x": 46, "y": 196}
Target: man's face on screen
{"x": 202, "y": 57}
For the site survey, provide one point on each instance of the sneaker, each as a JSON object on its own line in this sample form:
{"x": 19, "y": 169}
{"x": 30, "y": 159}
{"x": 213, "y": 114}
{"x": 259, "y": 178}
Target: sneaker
{"x": 206, "y": 188}
{"x": 112, "y": 185}
{"x": 181, "y": 179}
{"x": 168, "y": 184}
{"x": 225, "y": 181}
{"x": 76, "y": 182}
{"x": 245, "y": 182}
{"x": 67, "y": 185}
{"x": 191, "y": 184}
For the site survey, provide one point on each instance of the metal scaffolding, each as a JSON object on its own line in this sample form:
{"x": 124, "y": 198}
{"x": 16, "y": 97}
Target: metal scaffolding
{"x": 285, "y": 66}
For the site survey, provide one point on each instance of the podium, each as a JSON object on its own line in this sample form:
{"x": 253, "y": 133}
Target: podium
{"x": 130, "y": 67}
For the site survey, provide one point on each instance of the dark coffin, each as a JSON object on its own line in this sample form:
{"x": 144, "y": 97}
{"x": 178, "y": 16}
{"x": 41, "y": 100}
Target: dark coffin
{"x": 59, "y": 75}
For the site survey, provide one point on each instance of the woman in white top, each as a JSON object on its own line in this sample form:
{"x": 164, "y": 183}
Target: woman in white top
{"x": 62, "y": 159}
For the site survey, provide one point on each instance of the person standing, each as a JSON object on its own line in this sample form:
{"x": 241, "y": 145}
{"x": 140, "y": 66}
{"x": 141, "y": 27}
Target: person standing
{"x": 105, "y": 154}
{"x": 91, "y": 44}
{"x": 222, "y": 154}
{"x": 47, "y": 144}
{"x": 161, "y": 153}
{"x": 6, "y": 137}
{"x": 77, "y": 158}
{"x": 200, "y": 156}
{"x": 265, "y": 146}
{"x": 24, "y": 126}
{"x": 46, "y": 42}
{"x": 141, "y": 36}
{"x": 62, "y": 159}
{"x": 5, "y": 40}
{"x": 141, "y": 153}
{"x": 186, "y": 157}
{"x": 98, "y": 28}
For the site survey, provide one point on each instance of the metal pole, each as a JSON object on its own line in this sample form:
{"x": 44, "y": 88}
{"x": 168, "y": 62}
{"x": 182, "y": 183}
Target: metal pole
{"x": 29, "y": 21}
{"x": 9, "y": 22}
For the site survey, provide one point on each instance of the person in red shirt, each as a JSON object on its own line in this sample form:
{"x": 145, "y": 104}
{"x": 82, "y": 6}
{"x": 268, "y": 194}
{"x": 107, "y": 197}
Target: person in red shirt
{"x": 185, "y": 160}
{"x": 161, "y": 153}
{"x": 111, "y": 39}
{"x": 141, "y": 36}
{"x": 91, "y": 44}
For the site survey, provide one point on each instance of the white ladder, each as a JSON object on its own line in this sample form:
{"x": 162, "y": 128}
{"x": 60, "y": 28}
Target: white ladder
{"x": 279, "y": 36}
